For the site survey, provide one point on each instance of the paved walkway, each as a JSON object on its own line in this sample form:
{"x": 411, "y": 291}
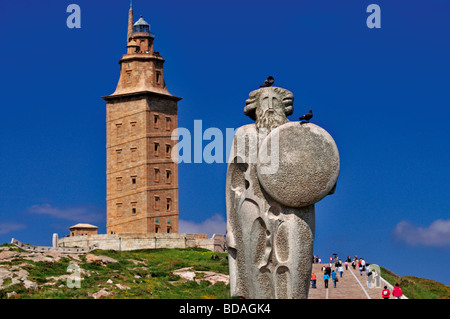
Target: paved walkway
{"x": 350, "y": 286}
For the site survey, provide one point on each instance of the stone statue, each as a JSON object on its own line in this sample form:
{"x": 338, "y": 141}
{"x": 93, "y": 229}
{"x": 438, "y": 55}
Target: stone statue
{"x": 277, "y": 170}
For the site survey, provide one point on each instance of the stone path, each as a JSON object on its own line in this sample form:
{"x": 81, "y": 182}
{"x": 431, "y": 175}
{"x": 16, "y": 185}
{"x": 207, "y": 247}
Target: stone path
{"x": 350, "y": 286}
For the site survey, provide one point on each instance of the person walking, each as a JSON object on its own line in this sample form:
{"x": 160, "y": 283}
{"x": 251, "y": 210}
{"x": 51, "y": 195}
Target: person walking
{"x": 313, "y": 280}
{"x": 346, "y": 265}
{"x": 341, "y": 270}
{"x": 397, "y": 291}
{"x": 325, "y": 279}
{"x": 385, "y": 293}
{"x": 334, "y": 277}
{"x": 328, "y": 270}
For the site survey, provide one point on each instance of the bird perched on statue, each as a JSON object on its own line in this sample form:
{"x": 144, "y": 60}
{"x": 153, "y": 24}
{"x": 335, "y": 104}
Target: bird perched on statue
{"x": 269, "y": 82}
{"x": 307, "y": 116}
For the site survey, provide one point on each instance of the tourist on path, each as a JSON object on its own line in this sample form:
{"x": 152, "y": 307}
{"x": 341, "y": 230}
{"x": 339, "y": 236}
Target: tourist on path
{"x": 385, "y": 293}
{"x": 341, "y": 270}
{"x": 334, "y": 277}
{"x": 325, "y": 279}
{"x": 313, "y": 280}
{"x": 397, "y": 292}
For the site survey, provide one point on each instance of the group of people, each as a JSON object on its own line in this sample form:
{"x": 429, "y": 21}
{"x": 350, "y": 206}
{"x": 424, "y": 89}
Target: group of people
{"x": 396, "y": 292}
{"x": 330, "y": 273}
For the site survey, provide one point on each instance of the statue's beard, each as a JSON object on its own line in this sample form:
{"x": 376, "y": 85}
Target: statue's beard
{"x": 270, "y": 120}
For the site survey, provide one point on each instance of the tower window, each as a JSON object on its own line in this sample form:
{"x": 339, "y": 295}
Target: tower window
{"x": 133, "y": 208}
{"x": 168, "y": 149}
{"x": 155, "y": 121}
{"x": 156, "y": 149}
{"x": 156, "y": 202}
{"x": 168, "y": 123}
{"x": 119, "y": 131}
{"x": 133, "y": 180}
{"x": 158, "y": 77}
{"x": 133, "y": 128}
{"x": 133, "y": 154}
{"x": 118, "y": 209}
{"x": 168, "y": 176}
{"x": 119, "y": 183}
{"x": 156, "y": 220}
{"x": 119, "y": 155}
{"x": 157, "y": 175}
{"x": 169, "y": 204}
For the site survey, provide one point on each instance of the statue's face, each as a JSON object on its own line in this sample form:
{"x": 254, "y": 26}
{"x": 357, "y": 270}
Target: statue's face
{"x": 270, "y": 109}
{"x": 270, "y": 101}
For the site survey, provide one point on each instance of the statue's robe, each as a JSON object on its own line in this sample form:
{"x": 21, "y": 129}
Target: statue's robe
{"x": 270, "y": 246}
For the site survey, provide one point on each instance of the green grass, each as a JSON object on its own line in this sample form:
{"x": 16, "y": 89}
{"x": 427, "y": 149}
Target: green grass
{"x": 417, "y": 288}
{"x": 151, "y": 278}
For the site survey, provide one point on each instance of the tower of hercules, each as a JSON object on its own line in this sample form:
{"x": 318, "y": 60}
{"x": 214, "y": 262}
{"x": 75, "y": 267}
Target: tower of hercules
{"x": 142, "y": 179}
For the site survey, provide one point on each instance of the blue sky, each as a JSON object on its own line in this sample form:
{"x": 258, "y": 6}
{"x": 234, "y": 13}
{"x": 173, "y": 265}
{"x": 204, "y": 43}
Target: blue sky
{"x": 383, "y": 94}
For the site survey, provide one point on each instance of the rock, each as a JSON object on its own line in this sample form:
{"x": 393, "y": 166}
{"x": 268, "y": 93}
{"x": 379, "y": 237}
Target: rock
{"x": 185, "y": 273}
{"x": 137, "y": 262}
{"x": 212, "y": 277}
{"x": 122, "y": 287}
{"x": 30, "y": 285}
{"x": 107, "y": 260}
{"x": 109, "y": 281}
{"x": 36, "y": 257}
{"x": 8, "y": 255}
{"x": 102, "y": 259}
{"x": 90, "y": 258}
{"x": 55, "y": 256}
{"x": 11, "y": 294}
{"x": 4, "y": 273}
{"x": 101, "y": 293}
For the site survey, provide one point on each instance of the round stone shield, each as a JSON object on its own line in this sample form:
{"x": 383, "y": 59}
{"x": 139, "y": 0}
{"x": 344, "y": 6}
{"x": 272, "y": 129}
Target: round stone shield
{"x": 298, "y": 164}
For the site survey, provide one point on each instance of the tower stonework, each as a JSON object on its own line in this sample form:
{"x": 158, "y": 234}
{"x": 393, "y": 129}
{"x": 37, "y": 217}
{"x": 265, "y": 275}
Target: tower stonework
{"x": 142, "y": 179}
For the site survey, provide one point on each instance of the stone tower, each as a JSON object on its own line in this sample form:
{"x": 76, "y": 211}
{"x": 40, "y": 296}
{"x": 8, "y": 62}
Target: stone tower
{"x": 142, "y": 179}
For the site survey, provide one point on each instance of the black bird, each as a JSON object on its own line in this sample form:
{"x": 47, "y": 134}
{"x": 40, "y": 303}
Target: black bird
{"x": 269, "y": 82}
{"x": 307, "y": 116}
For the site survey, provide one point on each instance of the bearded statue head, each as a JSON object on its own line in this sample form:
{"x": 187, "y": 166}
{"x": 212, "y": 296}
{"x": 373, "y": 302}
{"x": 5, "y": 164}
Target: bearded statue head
{"x": 269, "y": 107}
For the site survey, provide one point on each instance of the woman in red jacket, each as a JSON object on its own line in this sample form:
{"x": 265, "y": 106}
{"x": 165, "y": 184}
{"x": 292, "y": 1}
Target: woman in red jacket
{"x": 385, "y": 293}
{"x": 397, "y": 292}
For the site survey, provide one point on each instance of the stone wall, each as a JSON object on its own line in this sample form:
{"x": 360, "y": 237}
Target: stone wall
{"x": 122, "y": 242}
{"x": 46, "y": 249}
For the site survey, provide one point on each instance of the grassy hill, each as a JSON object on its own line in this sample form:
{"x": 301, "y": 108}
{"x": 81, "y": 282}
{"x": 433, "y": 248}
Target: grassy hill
{"x": 417, "y": 288}
{"x": 141, "y": 274}
{"x": 134, "y": 274}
